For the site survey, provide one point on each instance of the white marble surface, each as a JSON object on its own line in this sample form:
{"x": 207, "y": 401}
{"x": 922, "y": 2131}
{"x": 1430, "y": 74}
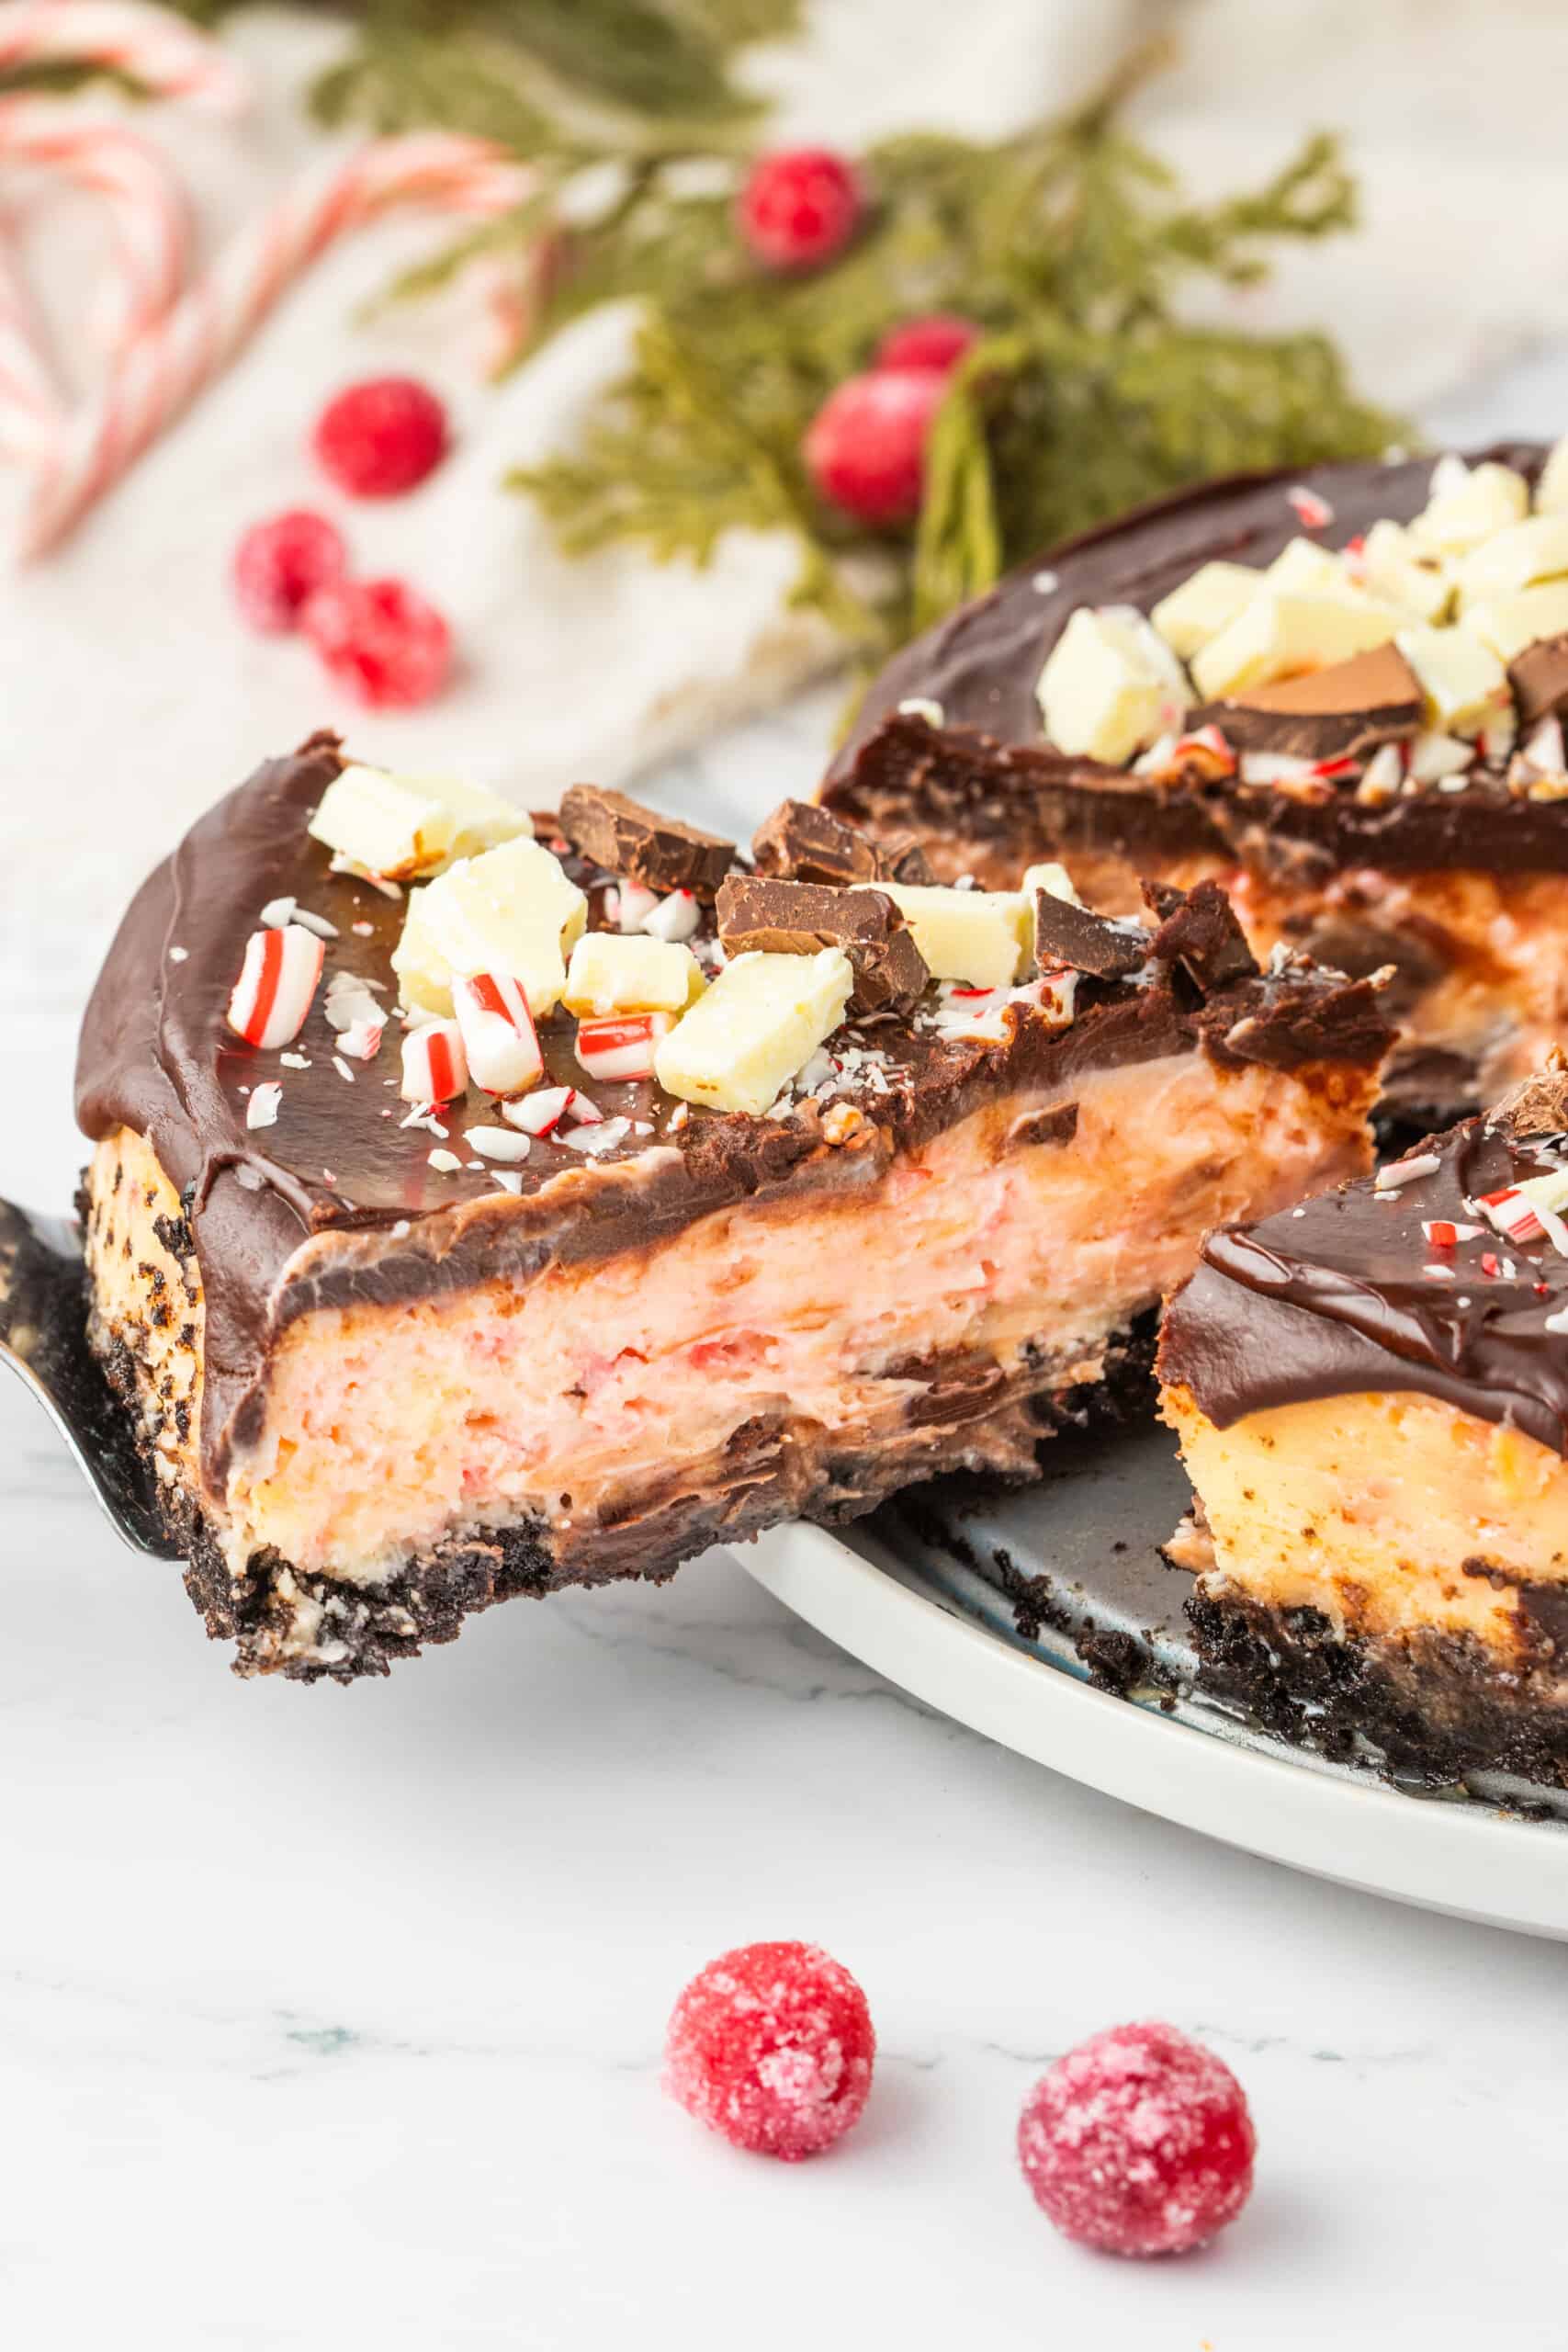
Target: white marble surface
{"x": 333, "y": 2018}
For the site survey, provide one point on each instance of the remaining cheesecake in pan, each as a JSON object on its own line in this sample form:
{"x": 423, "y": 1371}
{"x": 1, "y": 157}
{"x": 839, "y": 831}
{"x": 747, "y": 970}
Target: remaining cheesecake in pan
{"x": 1340, "y": 695}
{"x": 681, "y": 1199}
{"x": 1371, "y": 1392}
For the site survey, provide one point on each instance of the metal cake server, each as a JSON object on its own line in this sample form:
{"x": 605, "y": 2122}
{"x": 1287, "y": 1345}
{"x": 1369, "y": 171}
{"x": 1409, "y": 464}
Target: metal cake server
{"x": 43, "y": 1326}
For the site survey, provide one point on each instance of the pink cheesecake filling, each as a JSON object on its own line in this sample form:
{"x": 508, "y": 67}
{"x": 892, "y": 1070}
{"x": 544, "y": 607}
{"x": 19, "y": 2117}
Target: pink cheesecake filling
{"x": 389, "y": 1428}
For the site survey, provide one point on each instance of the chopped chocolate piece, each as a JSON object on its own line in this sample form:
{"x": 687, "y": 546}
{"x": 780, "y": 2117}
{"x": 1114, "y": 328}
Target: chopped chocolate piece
{"x": 1339, "y": 713}
{"x": 1203, "y": 937}
{"x": 1540, "y": 679}
{"x": 624, "y": 837}
{"x": 1089, "y": 943}
{"x": 1058, "y": 1125}
{"x": 800, "y": 843}
{"x": 759, "y": 913}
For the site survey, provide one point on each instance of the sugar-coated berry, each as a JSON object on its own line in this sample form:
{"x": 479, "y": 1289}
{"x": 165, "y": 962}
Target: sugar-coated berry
{"x": 379, "y": 639}
{"x": 771, "y": 2045}
{"x": 939, "y": 340}
{"x": 799, "y": 207}
{"x": 280, "y": 563}
{"x": 381, "y": 437}
{"x": 1138, "y": 2141}
{"x": 866, "y": 447}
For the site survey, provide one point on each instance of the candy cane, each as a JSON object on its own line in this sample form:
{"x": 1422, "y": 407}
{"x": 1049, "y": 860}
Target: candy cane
{"x": 148, "y": 216}
{"x": 175, "y": 359}
{"x": 29, "y": 396}
{"x": 152, "y": 46}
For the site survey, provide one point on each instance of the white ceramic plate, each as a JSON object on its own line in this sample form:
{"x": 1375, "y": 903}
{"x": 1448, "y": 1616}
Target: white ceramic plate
{"x": 901, "y": 1595}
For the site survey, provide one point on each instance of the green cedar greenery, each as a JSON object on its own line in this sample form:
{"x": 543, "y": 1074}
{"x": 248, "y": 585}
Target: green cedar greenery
{"x": 1069, "y": 243}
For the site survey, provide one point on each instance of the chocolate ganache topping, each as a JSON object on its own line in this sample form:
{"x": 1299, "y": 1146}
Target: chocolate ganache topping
{"x": 338, "y": 1203}
{"x": 987, "y": 768}
{"x": 1363, "y": 1290}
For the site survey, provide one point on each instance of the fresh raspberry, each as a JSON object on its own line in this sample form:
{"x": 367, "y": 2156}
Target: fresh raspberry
{"x": 380, "y": 439}
{"x": 939, "y": 341}
{"x": 1138, "y": 2141}
{"x": 866, "y": 447}
{"x": 799, "y": 207}
{"x": 278, "y": 564}
{"x": 772, "y": 2046}
{"x": 379, "y": 639}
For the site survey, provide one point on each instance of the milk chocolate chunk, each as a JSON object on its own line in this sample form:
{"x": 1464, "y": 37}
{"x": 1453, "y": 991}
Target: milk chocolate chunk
{"x": 1202, "y": 934}
{"x": 625, "y": 838}
{"x": 1540, "y": 679}
{"x": 758, "y": 913}
{"x": 1086, "y": 941}
{"x": 1342, "y": 712}
{"x": 800, "y": 843}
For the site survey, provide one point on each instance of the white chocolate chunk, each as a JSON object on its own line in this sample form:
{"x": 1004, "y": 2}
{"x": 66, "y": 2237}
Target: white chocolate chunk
{"x": 1301, "y": 568}
{"x": 1110, "y": 685}
{"x": 481, "y": 819}
{"x": 1468, "y": 505}
{"x": 1397, "y": 571}
{"x": 611, "y": 972}
{"x": 1051, "y": 878}
{"x": 1508, "y": 624}
{"x": 1515, "y": 559}
{"x": 1202, "y": 605}
{"x": 983, "y": 937}
{"x": 1463, "y": 680}
{"x": 1552, "y": 490}
{"x": 1281, "y": 636}
{"x": 761, "y": 1022}
{"x": 389, "y": 824}
{"x": 513, "y": 911}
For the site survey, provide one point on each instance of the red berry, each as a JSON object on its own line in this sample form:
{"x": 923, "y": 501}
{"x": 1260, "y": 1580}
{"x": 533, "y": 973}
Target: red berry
{"x": 866, "y": 447}
{"x": 380, "y": 439}
{"x": 939, "y": 341}
{"x": 279, "y": 563}
{"x": 799, "y": 207}
{"x": 1138, "y": 2141}
{"x": 379, "y": 639}
{"x": 772, "y": 2046}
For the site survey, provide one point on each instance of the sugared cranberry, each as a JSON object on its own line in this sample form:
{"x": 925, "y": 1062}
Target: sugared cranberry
{"x": 380, "y": 640}
{"x": 939, "y": 341}
{"x": 1138, "y": 2141}
{"x": 799, "y": 207}
{"x": 866, "y": 447}
{"x": 280, "y": 563}
{"x": 772, "y": 2046}
{"x": 381, "y": 437}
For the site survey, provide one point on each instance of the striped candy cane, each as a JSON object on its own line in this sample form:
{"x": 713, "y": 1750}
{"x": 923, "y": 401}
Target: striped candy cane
{"x": 150, "y": 45}
{"x": 148, "y": 220}
{"x": 174, "y": 358}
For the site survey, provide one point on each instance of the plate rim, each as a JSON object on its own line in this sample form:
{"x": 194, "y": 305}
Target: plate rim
{"x": 1437, "y": 1855}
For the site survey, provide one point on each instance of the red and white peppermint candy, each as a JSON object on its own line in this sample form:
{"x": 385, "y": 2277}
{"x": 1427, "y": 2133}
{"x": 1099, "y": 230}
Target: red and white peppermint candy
{"x": 1313, "y": 512}
{"x": 622, "y": 1047}
{"x": 634, "y": 903}
{"x": 1443, "y": 1234}
{"x": 540, "y": 1112}
{"x": 1532, "y": 1208}
{"x": 434, "y": 1067}
{"x": 673, "y": 918}
{"x": 278, "y": 981}
{"x": 499, "y": 1036}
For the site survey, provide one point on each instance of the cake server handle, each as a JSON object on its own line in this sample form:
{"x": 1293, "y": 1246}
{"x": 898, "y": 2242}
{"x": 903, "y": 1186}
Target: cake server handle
{"x": 43, "y": 1338}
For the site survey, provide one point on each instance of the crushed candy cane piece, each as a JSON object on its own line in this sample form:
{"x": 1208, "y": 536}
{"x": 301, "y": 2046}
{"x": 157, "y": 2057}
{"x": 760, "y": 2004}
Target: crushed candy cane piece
{"x": 603, "y": 1136}
{"x": 434, "y": 1068}
{"x": 446, "y": 1163}
{"x": 1557, "y": 1322}
{"x": 539, "y": 1113}
{"x": 361, "y": 1041}
{"x": 499, "y": 1036}
{"x": 277, "y": 983}
{"x": 634, "y": 902}
{"x": 622, "y": 1048}
{"x": 1443, "y": 1234}
{"x": 499, "y": 1143}
{"x": 676, "y": 917}
{"x": 262, "y": 1109}
{"x": 1404, "y": 1172}
{"x": 1313, "y": 512}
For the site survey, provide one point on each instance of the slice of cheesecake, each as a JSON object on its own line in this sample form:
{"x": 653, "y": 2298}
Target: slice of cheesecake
{"x": 1342, "y": 696}
{"x": 675, "y": 1200}
{"x": 1371, "y": 1394}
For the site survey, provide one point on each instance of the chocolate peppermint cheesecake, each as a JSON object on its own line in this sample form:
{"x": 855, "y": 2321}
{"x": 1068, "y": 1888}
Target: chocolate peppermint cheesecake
{"x": 1371, "y": 1393}
{"x": 1341, "y": 695}
{"x": 476, "y": 1210}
